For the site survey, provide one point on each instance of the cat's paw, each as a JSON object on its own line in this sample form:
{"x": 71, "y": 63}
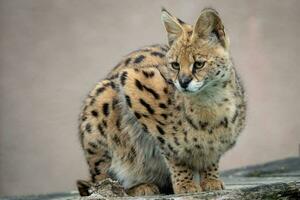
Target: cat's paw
{"x": 186, "y": 187}
{"x": 143, "y": 190}
{"x": 209, "y": 184}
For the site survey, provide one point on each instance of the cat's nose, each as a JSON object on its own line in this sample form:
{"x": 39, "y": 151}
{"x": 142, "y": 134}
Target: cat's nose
{"x": 184, "y": 81}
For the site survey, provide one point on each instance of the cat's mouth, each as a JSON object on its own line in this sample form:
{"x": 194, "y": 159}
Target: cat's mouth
{"x": 194, "y": 90}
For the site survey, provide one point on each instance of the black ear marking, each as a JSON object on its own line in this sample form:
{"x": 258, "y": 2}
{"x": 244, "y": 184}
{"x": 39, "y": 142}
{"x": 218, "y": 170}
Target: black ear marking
{"x": 214, "y": 32}
{"x": 180, "y": 21}
{"x": 163, "y": 9}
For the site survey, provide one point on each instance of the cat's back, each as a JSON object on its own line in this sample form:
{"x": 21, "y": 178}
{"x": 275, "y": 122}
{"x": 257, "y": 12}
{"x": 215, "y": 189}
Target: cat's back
{"x": 148, "y": 56}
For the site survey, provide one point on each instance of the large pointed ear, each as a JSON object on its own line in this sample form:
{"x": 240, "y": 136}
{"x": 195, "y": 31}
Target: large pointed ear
{"x": 172, "y": 25}
{"x": 209, "y": 26}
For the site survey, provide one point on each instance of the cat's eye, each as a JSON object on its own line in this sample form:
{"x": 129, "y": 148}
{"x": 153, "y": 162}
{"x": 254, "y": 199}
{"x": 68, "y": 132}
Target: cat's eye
{"x": 198, "y": 64}
{"x": 175, "y": 65}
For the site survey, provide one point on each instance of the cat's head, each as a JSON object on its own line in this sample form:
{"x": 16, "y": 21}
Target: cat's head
{"x": 199, "y": 55}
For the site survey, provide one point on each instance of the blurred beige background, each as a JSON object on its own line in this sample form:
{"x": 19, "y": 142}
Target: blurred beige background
{"x": 52, "y": 52}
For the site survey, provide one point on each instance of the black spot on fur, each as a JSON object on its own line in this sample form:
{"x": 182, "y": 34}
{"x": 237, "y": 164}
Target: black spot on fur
{"x": 166, "y": 90}
{"x": 203, "y": 125}
{"x": 190, "y": 121}
{"x": 100, "y": 90}
{"x": 165, "y": 116}
{"x": 218, "y": 72}
{"x": 106, "y": 84}
{"x": 139, "y": 59}
{"x": 116, "y": 139}
{"x": 160, "y": 130}
{"x": 123, "y": 77}
{"x": 84, "y": 108}
{"x": 138, "y": 84}
{"x": 94, "y": 113}
{"x": 145, "y": 128}
{"x": 223, "y": 141}
{"x": 83, "y": 118}
{"x": 93, "y": 145}
{"x": 128, "y": 100}
{"x": 106, "y": 155}
{"x": 147, "y": 106}
{"x": 101, "y": 130}
{"x": 105, "y": 109}
{"x": 161, "y": 140}
{"x": 162, "y": 105}
{"x": 97, "y": 171}
{"x": 113, "y": 76}
{"x": 92, "y": 101}
{"x": 131, "y": 154}
{"x": 224, "y": 122}
{"x": 118, "y": 124}
{"x": 138, "y": 116}
{"x": 176, "y": 141}
{"x": 185, "y": 139}
{"x": 188, "y": 151}
{"x": 112, "y": 85}
{"x": 93, "y": 177}
{"x": 127, "y": 61}
{"x": 97, "y": 163}
{"x": 148, "y": 74}
{"x": 151, "y": 91}
{"x": 165, "y": 49}
{"x": 172, "y": 149}
{"x": 234, "y": 116}
{"x": 90, "y": 152}
{"x": 88, "y": 127}
{"x": 101, "y": 143}
{"x": 160, "y": 122}
{"x": 114, "y": 103}
{"x": 159, "y": 54}
{"x": 104, "y": 123}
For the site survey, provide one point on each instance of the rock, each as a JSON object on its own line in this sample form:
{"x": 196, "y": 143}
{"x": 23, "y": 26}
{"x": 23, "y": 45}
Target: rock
{"x": 283, "y": 168}
{"x": 274, "y": 180}
{"x": 107, "y": 188}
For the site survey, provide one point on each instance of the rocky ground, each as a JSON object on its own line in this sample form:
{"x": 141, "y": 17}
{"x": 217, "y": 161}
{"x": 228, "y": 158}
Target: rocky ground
{"x": 274, "y": 180}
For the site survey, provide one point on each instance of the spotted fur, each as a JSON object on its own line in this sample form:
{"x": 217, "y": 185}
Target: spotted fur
{"x": 154, "y": 125}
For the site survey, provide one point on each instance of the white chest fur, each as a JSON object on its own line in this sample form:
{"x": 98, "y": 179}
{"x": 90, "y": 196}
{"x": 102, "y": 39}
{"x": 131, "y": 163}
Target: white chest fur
{"x": 208, "y": 131}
